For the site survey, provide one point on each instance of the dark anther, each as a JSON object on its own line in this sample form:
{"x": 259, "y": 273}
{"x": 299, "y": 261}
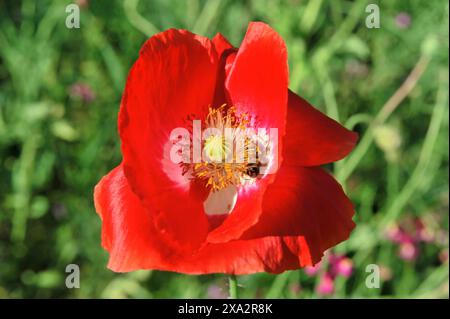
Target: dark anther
{"x": 253, "y": 170}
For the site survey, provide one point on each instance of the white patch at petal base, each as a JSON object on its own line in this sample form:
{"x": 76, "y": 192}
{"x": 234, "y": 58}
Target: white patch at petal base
{"x": 222, "y": 201}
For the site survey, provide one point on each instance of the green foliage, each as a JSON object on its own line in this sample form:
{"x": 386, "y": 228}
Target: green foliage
{"x": 56, "y": 143}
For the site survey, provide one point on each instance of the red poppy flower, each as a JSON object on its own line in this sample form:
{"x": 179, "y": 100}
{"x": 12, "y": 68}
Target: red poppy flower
{"x": 221, "y": 218}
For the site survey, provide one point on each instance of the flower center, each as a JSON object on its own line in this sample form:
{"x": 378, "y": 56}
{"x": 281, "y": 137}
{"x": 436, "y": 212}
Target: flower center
{"x": 232, "y": 151}
{"x": 216, "y": 148}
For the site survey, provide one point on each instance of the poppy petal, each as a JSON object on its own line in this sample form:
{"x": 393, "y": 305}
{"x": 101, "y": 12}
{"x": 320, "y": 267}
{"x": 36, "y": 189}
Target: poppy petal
{"x": 126, "y": 225}
{"x": 258, "y": 79}
{"x": 245, "y": 214}
{"x": 305, "y": 201}
{"x": 256, "y": 84}
{"x": 312, "y": 138}
{"x": 173, "y": 78}
{"x": 225, "y": 52}
{"x": 221, "y": 44}
{"x": 129, "y": 235}
{"x": 269, "y": 254}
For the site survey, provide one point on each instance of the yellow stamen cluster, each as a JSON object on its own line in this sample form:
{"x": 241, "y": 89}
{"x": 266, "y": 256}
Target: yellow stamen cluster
{"x": 221, "y": 173}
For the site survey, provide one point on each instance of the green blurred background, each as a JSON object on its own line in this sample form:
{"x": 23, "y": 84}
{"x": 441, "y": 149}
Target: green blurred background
{"x": 60, "y": 90}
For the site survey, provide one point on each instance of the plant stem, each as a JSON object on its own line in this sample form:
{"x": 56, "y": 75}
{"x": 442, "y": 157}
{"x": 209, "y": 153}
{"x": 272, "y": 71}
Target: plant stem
{"x": 233, "y": 287}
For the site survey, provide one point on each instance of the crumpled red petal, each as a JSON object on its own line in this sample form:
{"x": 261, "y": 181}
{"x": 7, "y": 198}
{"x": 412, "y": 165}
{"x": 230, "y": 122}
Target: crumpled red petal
{"x": 312, "y": 138}
{"x": 130, "y": 236}
{"x": 221, "y": 44}
{"x": 174, "y": 77}
{"x": 257, "y": 84}
{"x": 258, "y": 80}
{"x": 244, "y": 215}
{"x": 128, "y": 232}
{"x": 225, "y": 52}
{"x": 308, "y": 202}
